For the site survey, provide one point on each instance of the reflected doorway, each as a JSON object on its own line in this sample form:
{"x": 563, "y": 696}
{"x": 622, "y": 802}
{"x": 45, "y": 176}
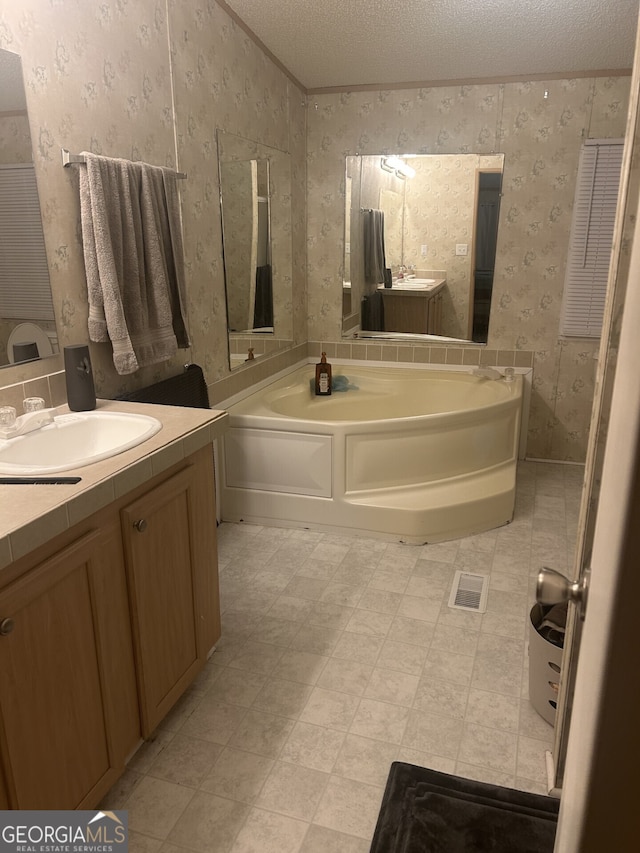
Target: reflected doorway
{"x": 486, "y": 238}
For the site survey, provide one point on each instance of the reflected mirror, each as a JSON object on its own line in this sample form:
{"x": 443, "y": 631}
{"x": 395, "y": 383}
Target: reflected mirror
{"x": 420, "y": 245}
{"x": 27, "y": 321}
{"x": 255, "y": 203}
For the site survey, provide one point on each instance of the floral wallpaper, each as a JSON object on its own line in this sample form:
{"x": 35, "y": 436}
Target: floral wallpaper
{"x": 150, "y": 80}
{"x": 15, "y": 139}
{"x": 222, "y": 80}
{"x": 539, "y": 128}
{"x": 154, "y": 79}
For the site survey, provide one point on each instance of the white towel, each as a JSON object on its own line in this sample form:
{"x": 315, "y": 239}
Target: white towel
{"x": 133, "y": 261}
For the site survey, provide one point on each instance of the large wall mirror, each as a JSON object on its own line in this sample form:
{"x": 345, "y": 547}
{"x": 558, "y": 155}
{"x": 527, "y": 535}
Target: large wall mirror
{"x": 420, "y": 245}
{"x": 255, "y": 202}
{"x": 27, "y": 321}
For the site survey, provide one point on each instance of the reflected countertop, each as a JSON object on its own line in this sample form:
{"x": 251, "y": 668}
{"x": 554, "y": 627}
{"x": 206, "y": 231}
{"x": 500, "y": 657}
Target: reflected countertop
{"x": 414, "y": 287}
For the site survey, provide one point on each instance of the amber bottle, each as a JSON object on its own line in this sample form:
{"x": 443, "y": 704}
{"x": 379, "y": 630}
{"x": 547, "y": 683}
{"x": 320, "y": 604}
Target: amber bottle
{"x": 323, "y": 377}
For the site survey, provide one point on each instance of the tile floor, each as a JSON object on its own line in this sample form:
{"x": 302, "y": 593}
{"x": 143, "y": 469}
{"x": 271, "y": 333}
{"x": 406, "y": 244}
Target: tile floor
{"x": 338, "y": 656}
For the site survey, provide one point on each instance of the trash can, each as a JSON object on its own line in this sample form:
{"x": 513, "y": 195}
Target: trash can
{"x": 546, "y": 643}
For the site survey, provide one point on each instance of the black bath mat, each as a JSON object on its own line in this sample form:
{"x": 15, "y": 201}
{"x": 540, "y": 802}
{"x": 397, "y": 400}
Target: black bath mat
{"x": 424, "y": 811}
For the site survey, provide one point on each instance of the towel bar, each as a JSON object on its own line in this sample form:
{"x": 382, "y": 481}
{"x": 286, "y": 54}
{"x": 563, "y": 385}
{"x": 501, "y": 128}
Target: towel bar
{"x": 69, "y": 159}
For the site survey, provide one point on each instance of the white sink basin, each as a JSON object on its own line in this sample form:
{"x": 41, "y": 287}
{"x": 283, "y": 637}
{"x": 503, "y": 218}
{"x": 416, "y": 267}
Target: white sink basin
{"x": 414, "y": 283}
{"x": 74, "y": 440}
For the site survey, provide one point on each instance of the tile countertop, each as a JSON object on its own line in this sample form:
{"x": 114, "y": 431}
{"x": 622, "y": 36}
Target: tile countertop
{"x": 32, "y": 514}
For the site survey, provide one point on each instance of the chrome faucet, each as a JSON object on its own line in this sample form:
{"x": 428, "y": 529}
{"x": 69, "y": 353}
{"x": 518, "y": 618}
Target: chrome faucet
{"x": 487, "y": 373}
{"x": 12, "y": 426}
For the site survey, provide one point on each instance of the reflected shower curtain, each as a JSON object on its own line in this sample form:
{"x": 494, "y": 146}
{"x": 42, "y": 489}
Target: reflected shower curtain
{"x": 263, "y": 311}
{"x": 372, "y": 307}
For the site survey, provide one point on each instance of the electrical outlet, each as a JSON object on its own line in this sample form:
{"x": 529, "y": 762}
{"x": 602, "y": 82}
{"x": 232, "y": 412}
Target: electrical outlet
{"x": 461, "y": 248}
{"x": 423, "y": 250}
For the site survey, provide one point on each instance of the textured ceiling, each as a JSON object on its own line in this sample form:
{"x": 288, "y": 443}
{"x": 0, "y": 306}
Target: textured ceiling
{"x": 325, "y": 43}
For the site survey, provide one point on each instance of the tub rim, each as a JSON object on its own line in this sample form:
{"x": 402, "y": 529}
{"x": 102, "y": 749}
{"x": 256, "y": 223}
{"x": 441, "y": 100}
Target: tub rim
{"x": 525, "y": 372}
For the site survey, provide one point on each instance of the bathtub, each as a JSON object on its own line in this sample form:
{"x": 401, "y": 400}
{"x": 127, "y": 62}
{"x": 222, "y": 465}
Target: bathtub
{"x": 416, "y": 455}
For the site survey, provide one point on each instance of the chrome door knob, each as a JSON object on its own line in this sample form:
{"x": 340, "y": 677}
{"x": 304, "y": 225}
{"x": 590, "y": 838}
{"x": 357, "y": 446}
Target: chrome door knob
{"x": 552, "y": 587}
{"x": 140, "y": 525}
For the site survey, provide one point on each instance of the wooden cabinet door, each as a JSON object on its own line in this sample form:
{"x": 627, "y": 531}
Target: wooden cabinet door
{"x": 4, "y": 793}
{"x": 170, "y": 569}
{"x": 53, "y": 722}
{"x": 435, "y": 314}
{"x": 406, "y": 314}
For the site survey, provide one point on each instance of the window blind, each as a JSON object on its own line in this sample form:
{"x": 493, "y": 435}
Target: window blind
{"x": 591, "y": 238}
{"x": 25, "y": 292}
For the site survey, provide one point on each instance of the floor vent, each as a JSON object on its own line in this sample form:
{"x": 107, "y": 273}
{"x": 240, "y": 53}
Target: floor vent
{"x": 469, "y": 592}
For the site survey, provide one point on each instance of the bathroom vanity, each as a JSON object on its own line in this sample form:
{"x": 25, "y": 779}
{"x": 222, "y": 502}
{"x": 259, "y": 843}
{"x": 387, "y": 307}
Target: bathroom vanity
{"x": 410, "y": 308}
{"x": 109, "y": 608}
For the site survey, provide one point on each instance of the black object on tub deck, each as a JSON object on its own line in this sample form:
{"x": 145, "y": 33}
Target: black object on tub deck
{"x": 186, "y": 389}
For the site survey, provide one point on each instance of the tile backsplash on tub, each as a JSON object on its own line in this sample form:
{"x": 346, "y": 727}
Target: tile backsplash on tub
{"x": 422, "y": 353}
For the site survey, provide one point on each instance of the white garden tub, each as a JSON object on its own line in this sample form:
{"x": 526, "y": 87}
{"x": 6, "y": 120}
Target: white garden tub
{"x": 419, "y": 455}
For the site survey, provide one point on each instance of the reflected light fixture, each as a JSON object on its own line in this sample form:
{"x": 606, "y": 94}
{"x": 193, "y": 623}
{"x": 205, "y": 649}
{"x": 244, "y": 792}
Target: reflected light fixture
{"x": 395, "y": 164}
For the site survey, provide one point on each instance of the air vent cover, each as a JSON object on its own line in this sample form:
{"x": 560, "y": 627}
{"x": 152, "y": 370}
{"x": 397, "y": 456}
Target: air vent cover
{"x": 469, "y": 592}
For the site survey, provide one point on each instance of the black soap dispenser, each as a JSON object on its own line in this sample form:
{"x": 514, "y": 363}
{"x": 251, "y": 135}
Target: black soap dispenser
{"x": 323, "y": 377}
{"x": 81, "y": 394}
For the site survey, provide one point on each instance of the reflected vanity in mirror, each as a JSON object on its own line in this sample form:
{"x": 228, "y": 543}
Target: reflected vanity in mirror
{"x": 255, "y": 203}
{"x": 27, "y": 321}
{"x": 420, "y": 245}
